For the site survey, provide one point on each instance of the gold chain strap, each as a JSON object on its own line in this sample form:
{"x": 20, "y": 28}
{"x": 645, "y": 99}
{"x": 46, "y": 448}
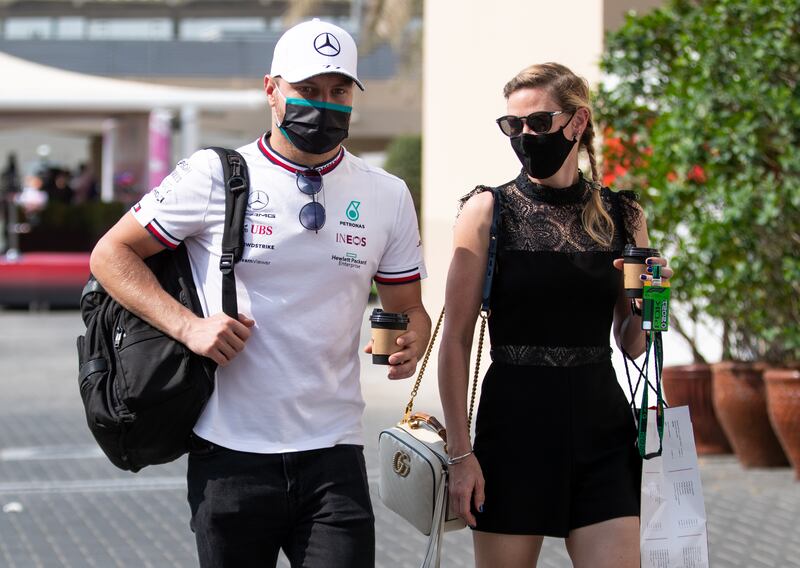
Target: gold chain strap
{"x": 484, "y": 317}
{"x": 429, "y": 350}
{"x": 410, "y": 405}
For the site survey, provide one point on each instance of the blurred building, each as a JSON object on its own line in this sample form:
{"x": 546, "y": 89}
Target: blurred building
{"x": 188, "y": 44}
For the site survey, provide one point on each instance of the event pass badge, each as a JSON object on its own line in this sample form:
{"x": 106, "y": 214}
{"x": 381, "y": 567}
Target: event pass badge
{"x": 655, "y": 303}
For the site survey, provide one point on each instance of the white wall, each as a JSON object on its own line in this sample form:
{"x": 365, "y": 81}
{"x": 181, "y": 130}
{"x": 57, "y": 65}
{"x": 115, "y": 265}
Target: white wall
{"x": 471, "y": 49}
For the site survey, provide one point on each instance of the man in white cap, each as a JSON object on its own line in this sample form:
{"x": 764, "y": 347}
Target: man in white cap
{"x": 276, "y": 460}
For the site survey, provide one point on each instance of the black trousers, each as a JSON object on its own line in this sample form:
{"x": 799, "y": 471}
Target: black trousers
{"x": 314, "y": 505}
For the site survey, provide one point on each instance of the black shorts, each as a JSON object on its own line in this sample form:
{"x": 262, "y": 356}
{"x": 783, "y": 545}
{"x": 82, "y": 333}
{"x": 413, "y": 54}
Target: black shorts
{"x": 557, "y": 449}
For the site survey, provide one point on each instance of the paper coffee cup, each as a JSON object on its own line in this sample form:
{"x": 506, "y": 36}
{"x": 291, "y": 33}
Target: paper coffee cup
{"x": 634, "y": 266}
{"x": 386, "y": 328}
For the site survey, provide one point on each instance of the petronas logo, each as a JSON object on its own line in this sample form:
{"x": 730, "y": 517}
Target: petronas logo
{"x": 352, "y": 210}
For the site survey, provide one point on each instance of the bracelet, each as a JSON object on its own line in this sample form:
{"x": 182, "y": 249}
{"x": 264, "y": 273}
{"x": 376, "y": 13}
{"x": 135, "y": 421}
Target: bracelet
{"x": 458, "y": 459}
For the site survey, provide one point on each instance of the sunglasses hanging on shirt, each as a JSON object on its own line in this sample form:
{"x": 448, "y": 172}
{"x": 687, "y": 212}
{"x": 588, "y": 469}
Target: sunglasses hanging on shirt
{"x": 312, "y": 215}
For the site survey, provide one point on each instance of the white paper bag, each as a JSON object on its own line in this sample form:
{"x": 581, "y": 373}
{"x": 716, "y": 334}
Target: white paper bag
{"x": 673, "y": 514}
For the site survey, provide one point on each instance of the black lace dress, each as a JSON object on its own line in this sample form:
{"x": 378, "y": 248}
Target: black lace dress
{"x": 554, "y": 433}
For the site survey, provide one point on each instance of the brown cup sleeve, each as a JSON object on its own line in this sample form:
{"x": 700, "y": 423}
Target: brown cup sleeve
{"x": 385, "y": 341}
{"x": 633, "y": 273}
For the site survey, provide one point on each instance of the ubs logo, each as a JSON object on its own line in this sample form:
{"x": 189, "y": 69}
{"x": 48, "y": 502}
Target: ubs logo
{"x": 401, "y": 463}
{"x": 257, "y": 200}
{"x": 257, "y": 229}
{"x": 327, "y": 44}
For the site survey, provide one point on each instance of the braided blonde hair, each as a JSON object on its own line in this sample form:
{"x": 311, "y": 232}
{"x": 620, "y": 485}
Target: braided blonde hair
{"x": 571, "y": 93}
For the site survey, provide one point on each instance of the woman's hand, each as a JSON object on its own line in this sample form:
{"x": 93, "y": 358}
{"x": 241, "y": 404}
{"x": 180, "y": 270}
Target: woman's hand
{"x": 466, "y": 488}
{"x": 666, "y": 271}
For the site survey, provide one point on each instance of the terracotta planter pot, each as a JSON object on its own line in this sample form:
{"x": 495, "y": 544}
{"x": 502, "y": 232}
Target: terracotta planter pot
{"x": 692, "y": 386}
{"x": 741, "y": 406}
{"x": 783, "y": 403}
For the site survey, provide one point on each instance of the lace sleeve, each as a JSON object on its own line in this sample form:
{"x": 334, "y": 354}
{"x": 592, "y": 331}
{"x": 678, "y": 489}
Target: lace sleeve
{"x": 627, "y": 213}
{"x": 632, "y": 213}
{"x": 478, "y": 189}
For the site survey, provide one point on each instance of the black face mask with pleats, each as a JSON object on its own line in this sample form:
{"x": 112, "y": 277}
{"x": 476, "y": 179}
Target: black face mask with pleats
{"x": 315, "y": 127}
{"x": 542, "y": 155}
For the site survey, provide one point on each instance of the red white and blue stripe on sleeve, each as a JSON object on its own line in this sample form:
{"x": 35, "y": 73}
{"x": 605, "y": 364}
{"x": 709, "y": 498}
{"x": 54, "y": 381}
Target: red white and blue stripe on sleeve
{"x": 162, "y": 235}
{"x": 402, "y": 277}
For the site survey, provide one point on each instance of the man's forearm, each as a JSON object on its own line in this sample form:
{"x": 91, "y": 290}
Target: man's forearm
{"x": 420, "y": 323}
{"x": 127, "y": 278}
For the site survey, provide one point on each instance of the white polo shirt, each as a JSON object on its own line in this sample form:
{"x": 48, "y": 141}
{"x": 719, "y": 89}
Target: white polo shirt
{"x": 295, "y": 386}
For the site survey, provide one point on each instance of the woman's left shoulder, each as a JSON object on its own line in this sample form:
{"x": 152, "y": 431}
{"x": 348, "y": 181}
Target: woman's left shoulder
{"x": 619, "y": 195}
{"x": 624, "y": 206}
{"x": 625, "y": 199}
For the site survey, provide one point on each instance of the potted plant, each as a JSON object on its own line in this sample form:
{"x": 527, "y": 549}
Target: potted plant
{"x": 706, "y": 130}
{"x": 783, "y": 397}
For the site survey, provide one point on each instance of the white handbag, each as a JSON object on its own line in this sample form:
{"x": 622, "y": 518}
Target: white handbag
{"x": 413, "y": 473}
{"x": 413, "y": 462}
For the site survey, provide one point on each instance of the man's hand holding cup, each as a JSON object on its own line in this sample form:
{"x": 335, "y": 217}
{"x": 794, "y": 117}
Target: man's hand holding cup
{"x": 393, "y": 344}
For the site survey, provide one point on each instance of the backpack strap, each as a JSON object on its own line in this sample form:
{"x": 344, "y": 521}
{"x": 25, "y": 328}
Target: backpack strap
{"x": 492, "y": 258}
{"x": 237, "y": 190}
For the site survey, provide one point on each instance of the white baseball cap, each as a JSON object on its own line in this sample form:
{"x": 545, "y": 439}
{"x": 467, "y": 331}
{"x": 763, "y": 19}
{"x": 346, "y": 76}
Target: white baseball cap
{"x": 313, "y": 48}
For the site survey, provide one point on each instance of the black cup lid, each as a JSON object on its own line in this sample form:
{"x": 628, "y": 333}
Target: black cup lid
{"x": 643, "y": 252}
{"x": 379, "y": 316}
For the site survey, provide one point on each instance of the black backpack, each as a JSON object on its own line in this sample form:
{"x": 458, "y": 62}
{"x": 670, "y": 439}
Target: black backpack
{"x": 142, "y": 390}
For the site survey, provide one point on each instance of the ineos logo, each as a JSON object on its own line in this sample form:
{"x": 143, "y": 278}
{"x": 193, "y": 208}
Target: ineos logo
{"x": 401, "y": 463}
{"x": 258, "y": 200}
{"x": 327, "y": 44}
{"x": 351, "y": 239}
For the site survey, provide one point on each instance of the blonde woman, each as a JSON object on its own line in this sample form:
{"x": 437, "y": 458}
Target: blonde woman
{"x": 554, "y": 451}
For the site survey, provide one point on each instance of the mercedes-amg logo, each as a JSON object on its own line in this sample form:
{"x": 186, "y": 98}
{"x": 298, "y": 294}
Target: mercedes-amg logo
{"x": 401, "y": 463}
{"x": 327, "y": 44}
{"x": 258, "y": 200}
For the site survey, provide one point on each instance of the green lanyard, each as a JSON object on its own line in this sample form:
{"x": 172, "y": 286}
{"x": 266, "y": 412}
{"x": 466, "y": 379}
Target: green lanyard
{"x": 653, "y": 343}
{"x": 652, "y": 339}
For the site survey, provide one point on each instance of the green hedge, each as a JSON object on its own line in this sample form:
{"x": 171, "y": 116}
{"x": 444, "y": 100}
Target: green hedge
{"x": 70, "y": 228}
{"x": 404, "y": 159}
{"x": 704, "y": 115}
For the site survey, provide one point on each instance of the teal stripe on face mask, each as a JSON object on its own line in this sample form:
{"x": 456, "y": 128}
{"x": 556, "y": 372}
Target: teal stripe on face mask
{"x": 285, "y": 134}
{"x": 319, "y": 104}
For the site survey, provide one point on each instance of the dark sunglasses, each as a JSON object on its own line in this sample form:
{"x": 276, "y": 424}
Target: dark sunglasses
{"x": 540, "y": 122}
{"x": 312, "y": 215}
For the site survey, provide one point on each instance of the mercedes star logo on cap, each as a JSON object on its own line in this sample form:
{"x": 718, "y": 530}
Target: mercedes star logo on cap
{"x": 327, "y": 44}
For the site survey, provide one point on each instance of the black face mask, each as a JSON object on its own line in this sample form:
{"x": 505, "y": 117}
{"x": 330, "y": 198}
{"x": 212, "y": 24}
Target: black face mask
{"x": 315, "y": 127}
{"x": 542, "y": 155}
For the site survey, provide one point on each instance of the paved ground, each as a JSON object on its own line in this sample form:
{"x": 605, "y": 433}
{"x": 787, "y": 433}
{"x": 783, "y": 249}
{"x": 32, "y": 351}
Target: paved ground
{"x": 63, "y": 504}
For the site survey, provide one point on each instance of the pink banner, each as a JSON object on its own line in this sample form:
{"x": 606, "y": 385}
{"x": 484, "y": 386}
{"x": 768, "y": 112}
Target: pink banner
{"x": 160, "y": 135}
